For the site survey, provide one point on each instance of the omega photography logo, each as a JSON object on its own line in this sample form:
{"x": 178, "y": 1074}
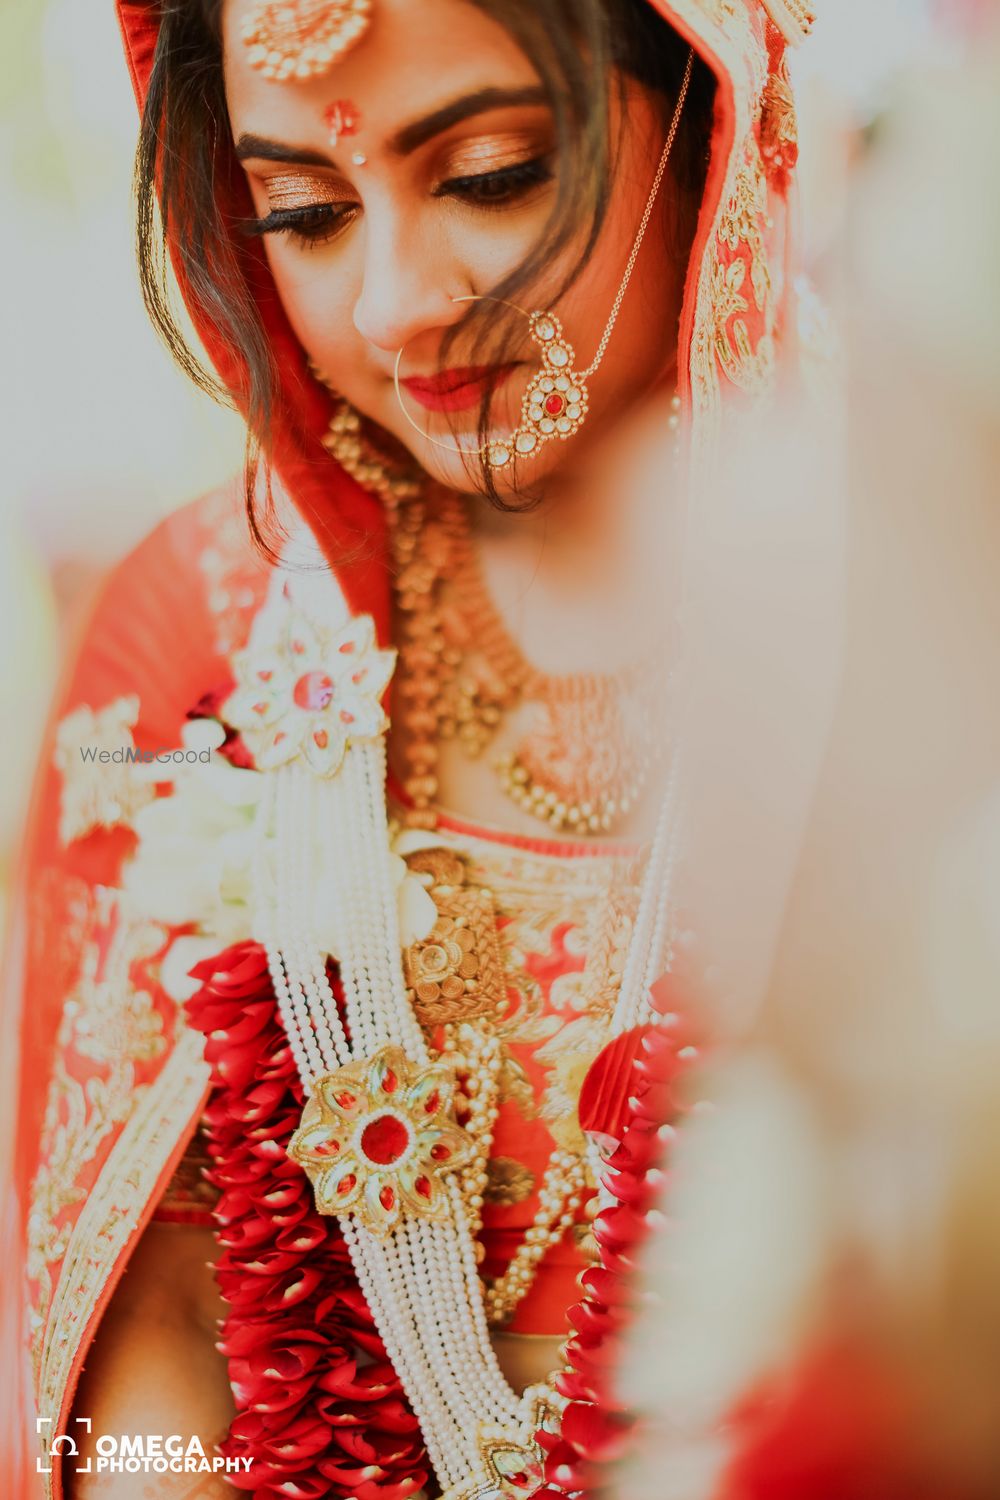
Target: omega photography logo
{"x": 131, "y": 1453}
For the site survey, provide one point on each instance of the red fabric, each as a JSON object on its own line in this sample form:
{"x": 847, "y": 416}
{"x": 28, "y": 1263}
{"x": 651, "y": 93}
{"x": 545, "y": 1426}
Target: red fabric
{"x": 349, "y": 522}
{"x": 596, "y": 1429}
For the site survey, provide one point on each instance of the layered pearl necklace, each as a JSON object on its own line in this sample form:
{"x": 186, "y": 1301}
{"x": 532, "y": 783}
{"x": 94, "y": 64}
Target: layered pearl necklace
{"x": 379, "y": 1137}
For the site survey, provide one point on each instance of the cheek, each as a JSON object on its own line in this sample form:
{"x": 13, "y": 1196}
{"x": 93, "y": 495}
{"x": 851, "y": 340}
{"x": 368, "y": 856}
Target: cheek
{"x": 318, "y": 300}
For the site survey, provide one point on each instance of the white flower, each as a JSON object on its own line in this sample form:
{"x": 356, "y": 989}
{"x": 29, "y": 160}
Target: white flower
{"x": 193, "y": 859}
{"x": 193, "y": 864}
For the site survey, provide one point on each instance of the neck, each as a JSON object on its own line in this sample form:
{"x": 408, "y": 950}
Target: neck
{"x": 602, "y": 540}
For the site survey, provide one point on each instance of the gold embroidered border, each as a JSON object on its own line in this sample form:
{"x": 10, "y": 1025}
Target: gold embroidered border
{"x": 109, "y": 1217}
{"x": 108, "y": 1021}
{"x": 728, "y": 30}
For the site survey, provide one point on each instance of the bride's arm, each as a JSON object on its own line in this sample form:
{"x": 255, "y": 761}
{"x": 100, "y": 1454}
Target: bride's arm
{"x": 154, "y": 1370}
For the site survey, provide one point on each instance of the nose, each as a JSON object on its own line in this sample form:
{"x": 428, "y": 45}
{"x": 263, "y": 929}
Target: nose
{"x": 408, "y": 287}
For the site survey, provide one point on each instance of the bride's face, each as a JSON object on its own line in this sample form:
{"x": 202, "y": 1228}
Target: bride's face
{"x": 438, "y": 184}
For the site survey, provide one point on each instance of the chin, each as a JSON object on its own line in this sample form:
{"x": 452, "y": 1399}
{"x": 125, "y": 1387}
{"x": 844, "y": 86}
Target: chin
{"x": 465, "y": 475}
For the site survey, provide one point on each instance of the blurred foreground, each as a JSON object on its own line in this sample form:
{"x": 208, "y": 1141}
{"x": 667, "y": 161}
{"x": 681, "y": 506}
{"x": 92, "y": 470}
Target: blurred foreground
{"x": 827, "y": 1323}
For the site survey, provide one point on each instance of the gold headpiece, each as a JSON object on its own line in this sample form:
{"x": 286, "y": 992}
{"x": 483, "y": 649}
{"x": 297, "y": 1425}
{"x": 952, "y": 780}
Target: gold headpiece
{"x": 302, "y": 38}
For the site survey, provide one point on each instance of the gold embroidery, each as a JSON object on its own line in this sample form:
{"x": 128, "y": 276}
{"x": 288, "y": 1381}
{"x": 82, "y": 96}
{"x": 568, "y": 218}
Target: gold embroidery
{"x": 779, "y": 130}
{"x": 456, "y": 972}
{"x": 740, "y": 225}
{"x": 509, "y": 1181}
{"x": 189, "y": 1192}
{"x": 157, "y": 1117}
{"x": 742, "y": 354}
{"x": 793, "y": 18}
{"x": 95, "y": 793}
{"x": 590, "y": 902}
{"x": 515, "y": 1086}
{"x": 566, "y": 1059}
{"x": 115, "y": 1025}
{"x": 740, "y": 231}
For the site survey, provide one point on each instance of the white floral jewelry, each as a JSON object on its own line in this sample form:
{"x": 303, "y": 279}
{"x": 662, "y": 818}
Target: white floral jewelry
{"x": 309, "y": 694}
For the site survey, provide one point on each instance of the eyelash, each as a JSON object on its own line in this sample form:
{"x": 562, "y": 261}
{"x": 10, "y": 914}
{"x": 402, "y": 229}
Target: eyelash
{"x": 317, "y": 223}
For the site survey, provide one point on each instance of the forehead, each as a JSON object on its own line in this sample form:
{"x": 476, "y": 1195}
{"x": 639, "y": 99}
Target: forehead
{"x": 414, "y": 55}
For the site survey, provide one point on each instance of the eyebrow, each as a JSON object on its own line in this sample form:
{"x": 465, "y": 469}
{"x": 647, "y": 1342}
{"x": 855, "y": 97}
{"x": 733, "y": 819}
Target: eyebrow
{"x": 408, "y": 138}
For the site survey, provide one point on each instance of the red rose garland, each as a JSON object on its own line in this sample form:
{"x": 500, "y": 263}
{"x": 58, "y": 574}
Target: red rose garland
{"x": 321, "y": 1410}
{"x": 596, "y": 1430}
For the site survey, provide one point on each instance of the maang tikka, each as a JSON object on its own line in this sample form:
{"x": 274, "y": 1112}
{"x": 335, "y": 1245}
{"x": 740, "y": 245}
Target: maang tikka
{"x": 555, "y": 402}
{"x": 300, "y": 39}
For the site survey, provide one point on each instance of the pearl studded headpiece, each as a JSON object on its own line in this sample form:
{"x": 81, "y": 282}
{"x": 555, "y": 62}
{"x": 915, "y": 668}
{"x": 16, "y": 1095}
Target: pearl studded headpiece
{"x": 300, "y": 39}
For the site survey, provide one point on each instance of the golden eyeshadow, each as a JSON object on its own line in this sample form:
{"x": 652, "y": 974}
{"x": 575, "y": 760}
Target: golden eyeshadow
{"x": 299, "y": 190}
{"x": 493, "y": 154}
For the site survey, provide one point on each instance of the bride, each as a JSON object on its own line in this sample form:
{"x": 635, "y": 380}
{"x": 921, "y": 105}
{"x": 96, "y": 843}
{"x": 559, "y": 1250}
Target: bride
{"x": 348, "y": 875}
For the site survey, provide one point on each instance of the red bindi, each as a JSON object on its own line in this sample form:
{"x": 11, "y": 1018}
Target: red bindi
{"x": 341, "y": 118}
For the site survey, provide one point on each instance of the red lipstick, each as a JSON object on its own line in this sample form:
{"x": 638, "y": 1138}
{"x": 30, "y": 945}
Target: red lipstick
{"x": 458, "y": 389}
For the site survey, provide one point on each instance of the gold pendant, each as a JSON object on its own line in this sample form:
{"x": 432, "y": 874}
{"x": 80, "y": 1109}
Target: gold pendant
{"x": 511, "y": 1459}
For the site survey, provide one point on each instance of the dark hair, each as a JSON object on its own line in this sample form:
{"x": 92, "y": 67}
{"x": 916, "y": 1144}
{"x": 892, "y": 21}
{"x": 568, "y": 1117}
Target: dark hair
{"x": 576, "y": 46}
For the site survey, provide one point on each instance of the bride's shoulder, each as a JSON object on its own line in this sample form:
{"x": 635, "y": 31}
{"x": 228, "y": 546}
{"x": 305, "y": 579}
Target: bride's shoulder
{"x": 189, "y": 587}
{"x": 198, "y": 565}
{"x": 161, "y": 630}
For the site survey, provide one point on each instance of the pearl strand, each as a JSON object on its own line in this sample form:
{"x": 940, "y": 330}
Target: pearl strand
{"x": 436, "y": 1326}
{"x": 393, "y": 1319}
{"x": 562, "y": 1192}
{"x": 370, "y": 960}
{"x": 314, "y": 1010}
{"x": 431, "y": 1258}
{"x": 306, "y": 816}
{"x": 474, "y": 1302}
{"x": 482, "y": 1059}
{"x": 291, "y": 999}
{"x": 648, "y": 956}
{"x": 471, "y": 1356}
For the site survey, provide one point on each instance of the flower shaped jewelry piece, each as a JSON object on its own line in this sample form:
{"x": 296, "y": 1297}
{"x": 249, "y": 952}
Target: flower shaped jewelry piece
{"x": 512, "y": 1462}
{"x": 378, "y": 1136}
{"x": 310, "y": 694}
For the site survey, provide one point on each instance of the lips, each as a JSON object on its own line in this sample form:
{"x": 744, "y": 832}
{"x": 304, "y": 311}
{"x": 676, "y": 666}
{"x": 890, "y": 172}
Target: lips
{"x": 458, "y": 389}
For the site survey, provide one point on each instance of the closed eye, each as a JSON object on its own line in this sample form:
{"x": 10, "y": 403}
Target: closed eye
{"x": 313, "y": 223}
{"x": 499, "y": 187}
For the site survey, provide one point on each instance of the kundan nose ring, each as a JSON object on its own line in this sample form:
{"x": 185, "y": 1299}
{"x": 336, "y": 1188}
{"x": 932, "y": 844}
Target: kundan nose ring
{"x": 555, "y": 402}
